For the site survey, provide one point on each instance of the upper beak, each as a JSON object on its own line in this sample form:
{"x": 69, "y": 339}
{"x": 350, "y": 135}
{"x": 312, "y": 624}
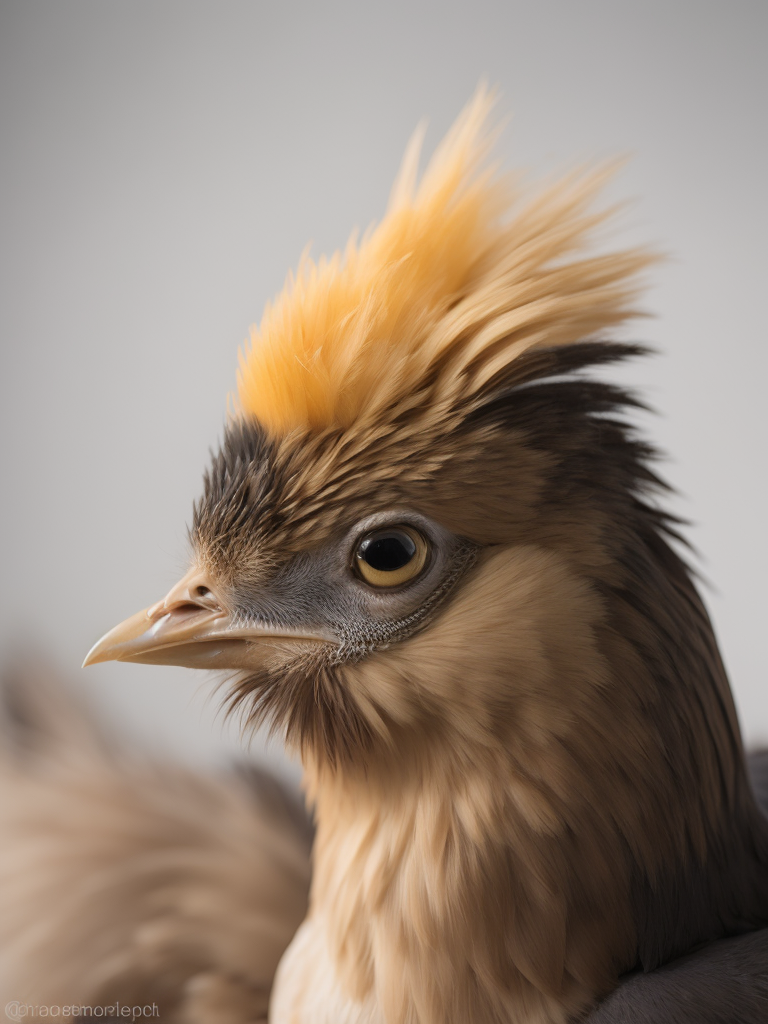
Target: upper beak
{"x": 191, "y": 626}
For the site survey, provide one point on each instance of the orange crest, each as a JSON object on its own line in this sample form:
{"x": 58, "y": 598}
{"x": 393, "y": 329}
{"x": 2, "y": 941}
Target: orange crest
{"x": 457, "y": 280}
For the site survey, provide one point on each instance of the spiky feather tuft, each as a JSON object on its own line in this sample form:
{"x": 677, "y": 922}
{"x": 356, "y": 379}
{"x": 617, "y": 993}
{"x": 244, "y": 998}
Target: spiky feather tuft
{"x": 457, "y": 281}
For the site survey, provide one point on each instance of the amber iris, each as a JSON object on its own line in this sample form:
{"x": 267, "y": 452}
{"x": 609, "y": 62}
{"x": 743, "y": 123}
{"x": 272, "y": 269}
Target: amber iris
{"x": 391, "y": 556}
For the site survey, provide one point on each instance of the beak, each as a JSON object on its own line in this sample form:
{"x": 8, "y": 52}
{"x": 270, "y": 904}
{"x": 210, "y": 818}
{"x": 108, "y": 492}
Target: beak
{"x": 192, "y": 626}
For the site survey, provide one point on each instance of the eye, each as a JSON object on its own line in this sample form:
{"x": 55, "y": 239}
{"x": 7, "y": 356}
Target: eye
{"x": 391, "y": 556}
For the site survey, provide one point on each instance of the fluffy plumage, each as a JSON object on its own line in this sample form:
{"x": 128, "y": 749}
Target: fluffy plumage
{"x": 124, "y": 879}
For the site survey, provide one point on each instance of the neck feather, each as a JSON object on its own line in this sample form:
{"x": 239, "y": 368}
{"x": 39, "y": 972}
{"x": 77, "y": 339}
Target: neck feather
{"x": 562, "y": 814}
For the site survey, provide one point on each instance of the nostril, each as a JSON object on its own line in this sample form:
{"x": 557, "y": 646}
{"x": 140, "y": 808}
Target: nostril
{"x": 191, "y": 595}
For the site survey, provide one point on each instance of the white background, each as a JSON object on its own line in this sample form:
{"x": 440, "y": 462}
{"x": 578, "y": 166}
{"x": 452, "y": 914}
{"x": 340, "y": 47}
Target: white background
{"x": 163, "y": 164}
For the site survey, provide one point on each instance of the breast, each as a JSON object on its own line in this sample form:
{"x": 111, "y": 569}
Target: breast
{"x": 306, "y": 989}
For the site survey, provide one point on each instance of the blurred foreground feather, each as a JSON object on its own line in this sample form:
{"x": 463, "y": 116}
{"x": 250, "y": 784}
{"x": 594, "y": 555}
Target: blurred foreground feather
{"x": 128, "y": 880}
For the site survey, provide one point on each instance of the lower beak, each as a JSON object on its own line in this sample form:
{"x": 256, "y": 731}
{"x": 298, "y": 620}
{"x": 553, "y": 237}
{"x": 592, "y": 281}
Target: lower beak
{"x": 191, "y": 626}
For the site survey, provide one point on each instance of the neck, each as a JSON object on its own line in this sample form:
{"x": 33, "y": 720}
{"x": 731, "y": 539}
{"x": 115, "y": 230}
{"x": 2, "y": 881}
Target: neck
{"x": 508, "y": 861}
{"x": 445, "y": 889}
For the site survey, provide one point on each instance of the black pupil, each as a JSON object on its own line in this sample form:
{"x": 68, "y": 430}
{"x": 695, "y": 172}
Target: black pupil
{"x": 387, "y": 551}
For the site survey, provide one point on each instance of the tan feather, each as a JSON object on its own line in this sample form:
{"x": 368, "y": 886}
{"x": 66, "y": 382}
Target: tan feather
{"x": 132, "y": 881}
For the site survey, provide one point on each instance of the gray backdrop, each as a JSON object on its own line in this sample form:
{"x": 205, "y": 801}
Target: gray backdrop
{"x": 163, "y": 164}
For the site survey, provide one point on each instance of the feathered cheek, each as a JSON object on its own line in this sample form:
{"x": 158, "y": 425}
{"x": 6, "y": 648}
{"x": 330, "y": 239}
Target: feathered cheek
{"x": 310, "y": 701}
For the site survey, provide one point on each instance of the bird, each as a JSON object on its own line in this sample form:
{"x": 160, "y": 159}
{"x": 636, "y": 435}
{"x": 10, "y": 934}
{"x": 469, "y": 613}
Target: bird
{"x": 432, "y": 554}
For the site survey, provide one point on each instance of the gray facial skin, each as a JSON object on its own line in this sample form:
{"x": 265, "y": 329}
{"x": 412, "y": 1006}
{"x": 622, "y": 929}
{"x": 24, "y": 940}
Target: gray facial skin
{"x": 320, "y": 591}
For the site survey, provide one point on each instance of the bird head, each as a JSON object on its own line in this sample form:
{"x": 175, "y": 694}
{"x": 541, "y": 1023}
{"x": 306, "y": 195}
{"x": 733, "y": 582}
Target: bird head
{"x": 410, "y": 472}
{"x": 425, "y": 524}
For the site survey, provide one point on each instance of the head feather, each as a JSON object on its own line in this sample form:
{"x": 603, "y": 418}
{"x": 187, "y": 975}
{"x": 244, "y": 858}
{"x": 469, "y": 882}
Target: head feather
{"x": 458, "y": 280}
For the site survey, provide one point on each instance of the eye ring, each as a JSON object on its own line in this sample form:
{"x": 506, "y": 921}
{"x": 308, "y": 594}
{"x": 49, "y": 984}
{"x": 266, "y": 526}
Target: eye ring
{"x": 391, "y": 556}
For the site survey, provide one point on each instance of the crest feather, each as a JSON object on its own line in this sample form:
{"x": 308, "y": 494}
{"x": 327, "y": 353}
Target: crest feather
{"x": 457, "y": 280}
